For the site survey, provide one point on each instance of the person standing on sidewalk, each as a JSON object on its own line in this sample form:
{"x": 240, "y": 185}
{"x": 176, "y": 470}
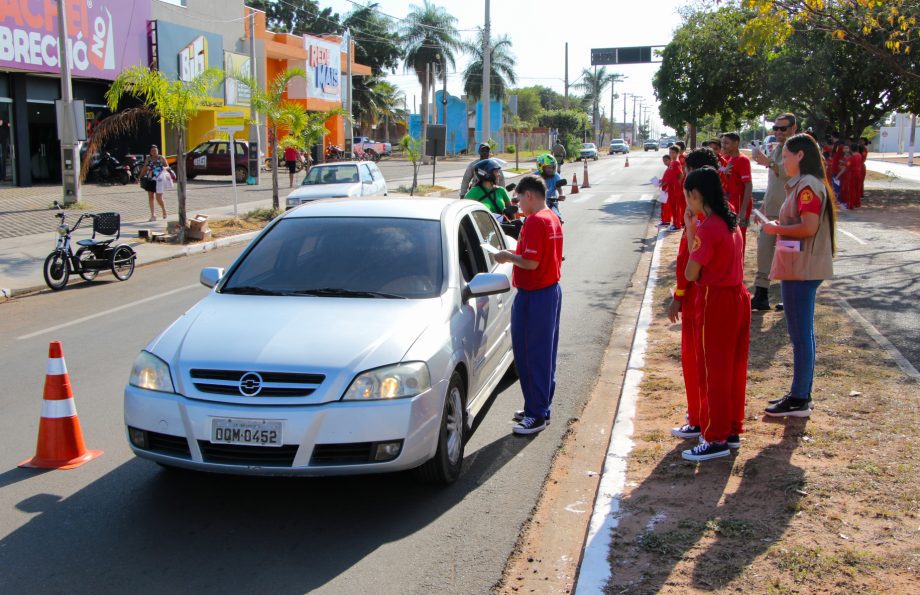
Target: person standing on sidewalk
{"x": 784, "y": 126}
{"x": 154, "y": 164}
{"x": 665, "y": 209}
{"x": 683, "y": 309}
{"x": 738, "y": 183}
{"x": 559, "y": 153}
{"x": 291, "y": 159}
{"x": 723, "y": 307}
{"x": 672, "y": 183}
{"x": 537, "y": 306}
{"x": 804, "y": 258}
{"x": 470, "y": 174}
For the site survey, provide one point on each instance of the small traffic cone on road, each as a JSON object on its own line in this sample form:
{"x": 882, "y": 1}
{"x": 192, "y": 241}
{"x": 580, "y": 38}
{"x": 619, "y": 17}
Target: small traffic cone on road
{"x": 586, "y": 183}
{"x": 60, "y": 438}
{"x": 574, "y": 189}
{"x": 627, "y": 161}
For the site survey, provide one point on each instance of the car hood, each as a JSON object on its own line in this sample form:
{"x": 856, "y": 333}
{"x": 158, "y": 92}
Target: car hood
{"x": 337, "y": 337}
{"x": 326, "y": 191}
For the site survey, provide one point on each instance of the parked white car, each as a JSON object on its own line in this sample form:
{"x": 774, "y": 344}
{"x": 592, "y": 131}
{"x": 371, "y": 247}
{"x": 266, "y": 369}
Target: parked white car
{"x": 351, "y": 336}
{"x": 338, "y": 180}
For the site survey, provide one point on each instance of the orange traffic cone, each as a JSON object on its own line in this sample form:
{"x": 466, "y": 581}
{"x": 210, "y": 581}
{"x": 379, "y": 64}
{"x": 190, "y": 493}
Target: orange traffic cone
{"x": 586, "y": 183}
{"x": 627, "y": 161}
{"x": 60, "y": 439}
{"x": 574, "y": 189}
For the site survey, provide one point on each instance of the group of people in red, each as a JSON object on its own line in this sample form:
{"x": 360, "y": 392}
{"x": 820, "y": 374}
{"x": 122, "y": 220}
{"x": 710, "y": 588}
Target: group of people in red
{"x": 846, "y": 165}
{"x": 711, "y": 188}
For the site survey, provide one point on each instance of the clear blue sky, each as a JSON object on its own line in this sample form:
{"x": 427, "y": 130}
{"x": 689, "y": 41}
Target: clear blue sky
{"x": 539, "y": 30}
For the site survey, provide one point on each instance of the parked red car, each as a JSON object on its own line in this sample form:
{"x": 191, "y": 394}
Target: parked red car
{"x": 211, "y": 158}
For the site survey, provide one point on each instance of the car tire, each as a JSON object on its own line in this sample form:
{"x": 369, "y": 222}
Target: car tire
{"x": 445, "y": 466}
{"x": 190, "y": 176}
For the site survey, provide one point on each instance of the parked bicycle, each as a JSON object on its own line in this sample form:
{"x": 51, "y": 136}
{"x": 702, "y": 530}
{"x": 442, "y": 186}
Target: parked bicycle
{"x": 94, "y": 254}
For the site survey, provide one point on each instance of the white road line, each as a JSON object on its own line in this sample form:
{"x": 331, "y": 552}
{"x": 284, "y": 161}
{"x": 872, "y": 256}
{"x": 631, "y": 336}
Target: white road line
{"x": 106, "y": 312}
{"x": 613, "y": 198}
{"x": 861, "y": 241}
{"x": 907, "y": 367}
{"x": 595, "y": 567}
{"x": 581, "y": 198}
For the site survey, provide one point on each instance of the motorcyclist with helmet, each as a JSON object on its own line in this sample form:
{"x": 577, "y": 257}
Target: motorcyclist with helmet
{"x": 487, "y": 190}
{"x": 546, "y": 169}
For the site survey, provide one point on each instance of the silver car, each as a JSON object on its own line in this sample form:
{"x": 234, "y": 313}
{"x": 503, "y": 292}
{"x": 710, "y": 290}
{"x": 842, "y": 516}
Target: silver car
{"x": 337, "y": 180}
{"x": 351, "y": 336}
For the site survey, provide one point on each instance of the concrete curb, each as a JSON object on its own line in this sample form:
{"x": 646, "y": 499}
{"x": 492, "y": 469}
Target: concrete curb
{"x": 181, "y": 251}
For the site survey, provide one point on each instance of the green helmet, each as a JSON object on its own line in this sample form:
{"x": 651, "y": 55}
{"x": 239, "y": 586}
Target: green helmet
{"x": 546, "y": 159}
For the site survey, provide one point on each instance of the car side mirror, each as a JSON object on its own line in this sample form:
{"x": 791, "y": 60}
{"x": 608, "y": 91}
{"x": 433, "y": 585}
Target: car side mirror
{"x": 211, "y": 276}
{"x": 485, "y": 284}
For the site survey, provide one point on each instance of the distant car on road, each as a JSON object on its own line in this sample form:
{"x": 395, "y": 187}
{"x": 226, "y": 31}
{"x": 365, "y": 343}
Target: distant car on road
{"x": 664, "y": 143}
{"x": 650, "y": 145}
{"x": 588, "y": 151}
{"x": 618, "y": 145}
{"x": 337, "y": 180}
{"x": 352, "y": 336}
{"x": 212, "y": 158}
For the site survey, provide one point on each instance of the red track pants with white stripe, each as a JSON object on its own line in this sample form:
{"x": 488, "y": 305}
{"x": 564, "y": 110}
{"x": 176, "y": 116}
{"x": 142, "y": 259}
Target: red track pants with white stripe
{"x": 723, "y": 339}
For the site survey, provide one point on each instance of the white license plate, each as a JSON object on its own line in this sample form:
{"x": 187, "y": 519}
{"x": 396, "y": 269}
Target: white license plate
{"x": 249, "y": 432}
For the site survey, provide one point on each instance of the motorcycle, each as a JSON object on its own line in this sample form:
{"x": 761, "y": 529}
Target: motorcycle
{"x": 134, "y": 163}
{"x": 108, "y": 170}
{"x": 335, "y": 153}
{"x": 93, "y": 255}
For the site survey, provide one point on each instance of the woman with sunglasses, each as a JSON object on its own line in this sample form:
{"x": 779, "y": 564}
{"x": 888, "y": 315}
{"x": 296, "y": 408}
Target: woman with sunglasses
{"x": 805, "y": 248}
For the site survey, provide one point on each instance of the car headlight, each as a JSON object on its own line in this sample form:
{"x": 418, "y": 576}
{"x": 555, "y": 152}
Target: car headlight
{"x": 151, "y": 373}
{"x": 391, "y": 382}
{"x": 293, "y": 202}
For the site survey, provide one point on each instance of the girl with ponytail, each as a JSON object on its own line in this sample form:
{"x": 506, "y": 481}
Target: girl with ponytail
{"x": 723, "y": 308}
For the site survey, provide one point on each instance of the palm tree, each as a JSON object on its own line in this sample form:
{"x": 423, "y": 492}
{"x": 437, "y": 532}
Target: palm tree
{"x": 594, "y": 83}
{"x": 430, "y": 36}
{"x": 174, "y": 102}
{"x": 389, "y": 106}
{"x": 501, "y": 63}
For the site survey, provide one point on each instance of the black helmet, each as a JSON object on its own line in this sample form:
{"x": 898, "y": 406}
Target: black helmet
{"x": 485, "y": 170}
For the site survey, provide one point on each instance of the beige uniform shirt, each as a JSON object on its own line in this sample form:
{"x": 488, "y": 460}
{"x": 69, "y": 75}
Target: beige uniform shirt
{"x": 776, "y": 185}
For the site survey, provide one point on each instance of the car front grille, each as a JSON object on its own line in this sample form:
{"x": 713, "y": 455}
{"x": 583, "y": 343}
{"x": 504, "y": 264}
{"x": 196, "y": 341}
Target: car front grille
{"x": 274, "y": 384}
{"x": 262, "y": 456}
{"x": 353, "y": 453}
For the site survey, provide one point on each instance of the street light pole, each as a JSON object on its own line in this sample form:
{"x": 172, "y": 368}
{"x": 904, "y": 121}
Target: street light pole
{"x": 70, "y": 151}
{"x": 486, "y": 77}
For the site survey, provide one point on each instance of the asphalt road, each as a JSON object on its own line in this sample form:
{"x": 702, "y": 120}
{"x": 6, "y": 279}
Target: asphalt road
{"x": 121, "y": 524}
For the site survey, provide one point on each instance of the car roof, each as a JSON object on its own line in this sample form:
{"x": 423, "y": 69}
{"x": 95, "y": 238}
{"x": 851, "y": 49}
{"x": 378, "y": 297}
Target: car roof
{"x": 382, "y": 207}
{"x": 332, "y": 163}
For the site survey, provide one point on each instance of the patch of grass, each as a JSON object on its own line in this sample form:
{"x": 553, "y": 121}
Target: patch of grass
{"x": 77, "y": 206}
{"x": 807, "y": 563}
{"x": 262, "y": 214}
{"x": 665, "y": 543}
{"x": 647, "y": 454}
{"x": 655, "y": 436}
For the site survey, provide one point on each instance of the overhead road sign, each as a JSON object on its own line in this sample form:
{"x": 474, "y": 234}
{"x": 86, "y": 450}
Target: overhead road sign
{"x": 632, "y": 55}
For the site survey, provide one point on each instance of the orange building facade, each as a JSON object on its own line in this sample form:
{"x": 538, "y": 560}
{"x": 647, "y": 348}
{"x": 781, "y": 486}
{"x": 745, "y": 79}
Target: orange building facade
{"x": 323, "y": 60}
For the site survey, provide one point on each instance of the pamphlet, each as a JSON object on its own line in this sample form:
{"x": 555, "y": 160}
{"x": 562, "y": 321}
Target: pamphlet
{"x": 490, "y": 248}
{"x": 760, "y": 216}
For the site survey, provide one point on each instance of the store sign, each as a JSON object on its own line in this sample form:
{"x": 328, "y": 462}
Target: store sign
{"x": 324, "y": 69}
{"x": 235, "y": 92}
{"x": 193, "y": 59}
{"x": 104, "y": 36}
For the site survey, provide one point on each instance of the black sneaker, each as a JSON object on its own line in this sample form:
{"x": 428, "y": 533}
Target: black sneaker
{"x": 519, "y": 415}
{"x": 761, "y": 299}
{"x": 790, "y": 407}
{"x": 779, "y": 400}
{"x": 686, "y": 431}
{"x": 705, "y": 451}
{"x": 733, "y": 441}
{"x": 529, "y": 425}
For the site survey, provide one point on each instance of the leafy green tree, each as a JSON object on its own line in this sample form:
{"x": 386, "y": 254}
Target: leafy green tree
{"x": 570, "y": 123}
{"x": 702, "y": 73}
{"x": 174, "y": 102}
{"x": 529, "y": 107}
{"x": 431, "y": 37}
{"x": 549, "y": 99}
{"x": 412, "y": 148}
{"x": 501, "y": 66}
{"x": 377, "y": 45}
{"x": 297, "y": 16}
{"x": 594, "y": 84}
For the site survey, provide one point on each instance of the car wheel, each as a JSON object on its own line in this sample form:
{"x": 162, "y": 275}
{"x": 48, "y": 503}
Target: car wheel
{"x": 190, "y": 176}
{"x": 445, "y": 466}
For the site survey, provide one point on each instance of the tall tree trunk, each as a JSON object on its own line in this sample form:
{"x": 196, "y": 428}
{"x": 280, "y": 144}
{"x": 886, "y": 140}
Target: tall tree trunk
{"x": 181, "y": 181}
{"x": 275, "y": 204}
{"x": 424, "y": 114}
{"x": 692, "y": 136}
{"x": 386, "y": 129}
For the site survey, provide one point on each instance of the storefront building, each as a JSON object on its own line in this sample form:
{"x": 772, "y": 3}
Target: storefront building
{"x": 105, "y": 37}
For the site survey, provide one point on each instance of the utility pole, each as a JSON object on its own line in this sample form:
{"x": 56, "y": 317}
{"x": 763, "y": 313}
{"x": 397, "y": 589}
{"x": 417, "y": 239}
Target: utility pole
{"x": 634, "y": 120}
{"x": 350, "y": 131}
{"x": 70, "y": 149}
{"x": 596, "y": 93}
{"x": 425, "y": 119}
{"x": 625, "y": 95}
{"x": 612, "y": 113}
{"x": 486, "y": 77}
{"x": 254, "y": 136}
{"x": 913, "y": 140}
{"x": 566, "y": 74}
{"x": 444, "y": 97}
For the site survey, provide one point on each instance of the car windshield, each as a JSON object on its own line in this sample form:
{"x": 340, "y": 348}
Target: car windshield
{"x": 587, "y": 146}
{"x": 618, "y": 141}
{"x": 358, "y": 257}
{"x": 332, "y": 174}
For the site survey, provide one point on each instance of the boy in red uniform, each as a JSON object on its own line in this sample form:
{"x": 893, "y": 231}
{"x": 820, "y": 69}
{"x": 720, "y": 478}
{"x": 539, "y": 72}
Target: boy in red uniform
{"x": 723, "y": 311}
{"x": 537, "y": 306}
{"x": 665, "y": 207}
{"x": 682, "y": 308}
{"x": 672, "y": 183}
{"x": 737, "y": 182}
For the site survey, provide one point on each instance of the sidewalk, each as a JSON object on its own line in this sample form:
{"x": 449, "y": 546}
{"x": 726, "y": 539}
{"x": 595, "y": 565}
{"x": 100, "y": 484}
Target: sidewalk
{"x": 899, "y": 170}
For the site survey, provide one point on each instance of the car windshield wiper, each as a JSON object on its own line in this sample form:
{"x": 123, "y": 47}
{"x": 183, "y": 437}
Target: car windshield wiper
{"x": 339, "y": 292}
{"x": 250, "y": 290}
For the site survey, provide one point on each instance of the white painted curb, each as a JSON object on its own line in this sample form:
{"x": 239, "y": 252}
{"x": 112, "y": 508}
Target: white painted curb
{"x": 595, "y": 566}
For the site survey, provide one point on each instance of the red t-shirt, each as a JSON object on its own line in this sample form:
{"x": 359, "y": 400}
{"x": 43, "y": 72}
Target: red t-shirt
{"x": 809, "y": 202}
{"x": 737, "y": 174}
{"x": 540, "y": 240}
{"x": 720, "y": 252}
{"x": 290, "y": 154}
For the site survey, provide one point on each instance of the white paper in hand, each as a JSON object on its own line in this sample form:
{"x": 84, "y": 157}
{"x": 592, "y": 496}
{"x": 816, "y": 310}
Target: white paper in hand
{"x": 760, "y": 217}
{"x": 655, "y": 181}
{"x": 490, "y": 248}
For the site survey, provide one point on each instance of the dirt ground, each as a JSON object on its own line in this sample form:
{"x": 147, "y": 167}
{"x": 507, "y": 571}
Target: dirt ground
{"x": 827, "y": 504}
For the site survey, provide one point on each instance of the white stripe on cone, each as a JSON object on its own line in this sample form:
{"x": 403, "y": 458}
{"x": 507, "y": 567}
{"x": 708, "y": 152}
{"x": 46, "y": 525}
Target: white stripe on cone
{"x": 56, "y": 366}
{"x": 59, "y": 408}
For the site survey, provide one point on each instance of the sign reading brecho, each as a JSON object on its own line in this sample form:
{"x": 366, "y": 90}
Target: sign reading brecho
{"x": 105, "y": 36}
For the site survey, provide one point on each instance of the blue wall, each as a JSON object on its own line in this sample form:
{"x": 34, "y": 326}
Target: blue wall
{"x": 495, "y": 120}
{"x": 457, "y": 123}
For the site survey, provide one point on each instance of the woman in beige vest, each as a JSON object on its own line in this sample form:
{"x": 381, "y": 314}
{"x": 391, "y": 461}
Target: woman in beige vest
{"x": 805, "y": 248}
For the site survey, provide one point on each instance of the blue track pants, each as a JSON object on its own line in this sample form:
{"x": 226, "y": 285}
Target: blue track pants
{"x": 535, "y": 338}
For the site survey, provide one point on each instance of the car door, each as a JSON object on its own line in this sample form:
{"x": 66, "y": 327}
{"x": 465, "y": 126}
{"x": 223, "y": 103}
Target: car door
{"x": 197, "y": 162}
{"x": 219, "y": 164}
{"x": 367, "y": 180}
{"x": 379, "y": 182}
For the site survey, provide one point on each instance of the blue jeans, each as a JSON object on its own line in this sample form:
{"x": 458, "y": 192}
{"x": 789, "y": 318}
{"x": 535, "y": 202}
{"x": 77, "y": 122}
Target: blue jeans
{"x": 799, "y": 308}
{"x": 535, "y": 341}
